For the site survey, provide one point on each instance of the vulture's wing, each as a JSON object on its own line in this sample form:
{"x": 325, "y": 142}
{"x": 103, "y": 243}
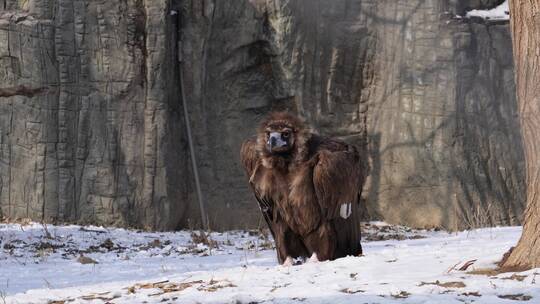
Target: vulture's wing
{"x": 337, "y": 177}
{"x": 249, "y": 156}
{"x": 250, "y": 161}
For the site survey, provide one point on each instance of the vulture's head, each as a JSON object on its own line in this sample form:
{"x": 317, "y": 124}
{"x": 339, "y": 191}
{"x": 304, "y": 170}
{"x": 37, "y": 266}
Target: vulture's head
{"x": 281, "y": 134}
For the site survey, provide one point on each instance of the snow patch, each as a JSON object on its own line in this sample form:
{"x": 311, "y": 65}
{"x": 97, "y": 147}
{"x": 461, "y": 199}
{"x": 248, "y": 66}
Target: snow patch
{"x": 39, "y": 265}
{"x": 500, "y": 12}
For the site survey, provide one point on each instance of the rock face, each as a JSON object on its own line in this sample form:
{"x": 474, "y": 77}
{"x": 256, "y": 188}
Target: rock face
{"x": 429, "y": 98}
{"x": 105, "y": 142}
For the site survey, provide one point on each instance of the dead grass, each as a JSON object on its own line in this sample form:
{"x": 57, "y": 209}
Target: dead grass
{"x": 401, "y": 295}
{"x": 496, "y": 271}
{"x": 20, "y": 221}
{"x": 203, "y": 238}
{"x": 103, "y": 296}
{"x": 106, "y": 297}
{"x": 264, "y": 236}
{"x": 455, "y": 284}
{"x": 279, "y": 286}
{"x": 372, "y": 233}
{"x": 479, "y": 217}
{"x": 215, "y": 285}
{"x": 156, "y": 243}
{"x": 46, "y": 231}
{"x": 484, "y": 271}
{"x": 164, "y": 286}
{"x": 168, "y": 287}
{"x": 3, "y": 296}
{"x": 86, "y": 260}
{"x": 516, "y": 297}
{"x": 515, "y": 277}
{"x": 352, "y": 291}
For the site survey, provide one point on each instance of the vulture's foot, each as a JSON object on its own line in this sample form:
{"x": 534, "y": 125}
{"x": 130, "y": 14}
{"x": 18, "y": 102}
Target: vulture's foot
{"x": 289, "y": 261}
{"x": 313, "y": 258}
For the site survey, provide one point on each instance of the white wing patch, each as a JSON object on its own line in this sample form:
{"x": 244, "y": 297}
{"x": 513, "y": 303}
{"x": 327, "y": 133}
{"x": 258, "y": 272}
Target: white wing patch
{"x": 345, "y": 210}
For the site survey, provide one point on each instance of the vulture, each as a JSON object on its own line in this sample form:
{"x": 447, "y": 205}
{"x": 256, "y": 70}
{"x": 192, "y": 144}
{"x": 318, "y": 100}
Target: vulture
{"x": 308, "y": 189}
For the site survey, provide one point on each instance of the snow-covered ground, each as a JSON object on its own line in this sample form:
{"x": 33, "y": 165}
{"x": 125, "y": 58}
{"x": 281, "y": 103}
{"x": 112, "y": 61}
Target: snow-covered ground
{"x": 74, "y": 264}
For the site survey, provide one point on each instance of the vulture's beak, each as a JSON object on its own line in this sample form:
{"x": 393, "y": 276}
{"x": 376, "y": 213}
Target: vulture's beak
{"x": 275, "y": 141}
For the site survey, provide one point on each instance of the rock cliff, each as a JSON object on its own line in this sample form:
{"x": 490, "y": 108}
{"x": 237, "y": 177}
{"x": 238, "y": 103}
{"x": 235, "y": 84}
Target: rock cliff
{"x": 428, "y": 96}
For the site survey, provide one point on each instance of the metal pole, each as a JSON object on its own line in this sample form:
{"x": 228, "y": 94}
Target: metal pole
{"x": 204, "y": 218}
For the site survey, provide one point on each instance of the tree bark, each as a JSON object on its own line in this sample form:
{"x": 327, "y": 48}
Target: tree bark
{"x": 525, "y": 26}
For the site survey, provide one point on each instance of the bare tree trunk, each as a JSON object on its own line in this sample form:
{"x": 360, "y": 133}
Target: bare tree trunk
{"x": 525, "y": 26}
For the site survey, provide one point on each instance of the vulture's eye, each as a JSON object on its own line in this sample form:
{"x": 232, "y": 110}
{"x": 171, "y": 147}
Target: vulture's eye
{"x": 286, "y": 134}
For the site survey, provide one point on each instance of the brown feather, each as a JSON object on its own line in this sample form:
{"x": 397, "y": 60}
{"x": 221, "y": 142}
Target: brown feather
{"x": 303, "y": 214}
{"x": 249, "y": 156}
{"x": 301, "y": 191}
{"x": 337, "y": 180}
